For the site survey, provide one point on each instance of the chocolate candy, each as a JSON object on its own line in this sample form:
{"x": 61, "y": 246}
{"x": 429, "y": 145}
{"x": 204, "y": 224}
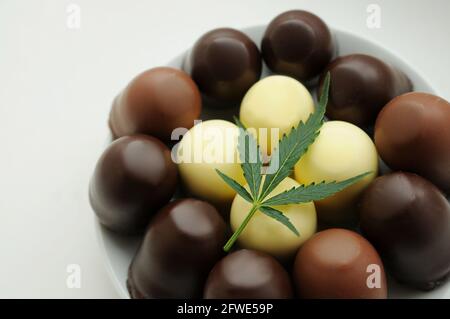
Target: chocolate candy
{"x": 133, "y": 179}
{"x": 297, "y": 43}
{"x": 338, "y": 263}
{"x": 278, "y": 103}
{"x": 248, "y": 274}
{"x": 261, "y": 230}
{"x": 181, "y": 246}
{"x": 408, "y": 220}
{"x": 224, "y": 63}
{"x": 360, "y": 86}
{"x": 412, "y": 133}
{"x": 155, "y": 103}
{"x": 341, "y": 151}
{"x": 208, "y": 146}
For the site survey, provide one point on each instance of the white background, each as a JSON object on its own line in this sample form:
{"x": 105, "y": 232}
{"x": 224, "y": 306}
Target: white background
{"x": 56, "y": 86}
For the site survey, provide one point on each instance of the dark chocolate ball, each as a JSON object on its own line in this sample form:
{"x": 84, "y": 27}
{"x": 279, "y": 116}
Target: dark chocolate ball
{"x": 408, "y": 220}
{"x": 338, "y": 263}
{"x": 297, "y": 43}
{"x": 155, "y": 103}
{"x": 412, "y": 133}
{"x": 248, "y": 274}
{"x": 133, "y": 179}
{"x": 360, "y": 86}
{"x": 224, "y": 63}
{"x": 182, "y": 244}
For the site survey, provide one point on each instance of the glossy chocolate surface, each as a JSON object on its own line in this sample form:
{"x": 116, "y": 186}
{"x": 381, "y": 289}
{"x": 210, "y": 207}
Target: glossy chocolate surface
{"x": 408, "y": 220}
{"x": 412, "y": 133}
{"x": 334, "y": 264}
{"x": 155, "y": 103}
{"x": 297, "y": 43}
{"x": 133, "y": 179}
{"x": 248, "y": 274}
{"x": 224, "y": 63}
{"x": 182, "y": 244}
{"x": 360, "y": 86}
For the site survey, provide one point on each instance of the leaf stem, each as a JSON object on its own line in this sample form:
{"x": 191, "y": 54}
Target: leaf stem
{"x": 241, "y": 227}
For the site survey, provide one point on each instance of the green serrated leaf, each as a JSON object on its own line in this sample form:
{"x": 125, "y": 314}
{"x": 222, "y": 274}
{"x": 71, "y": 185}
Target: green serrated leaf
{"x": 236, "y": 186}
{"x": 290, "y": 149}
{"x": 294, "y": 145}
{"x": 279, "y": 216}
{"x": 311, "y": 192}
{"x": 250, "y": 159}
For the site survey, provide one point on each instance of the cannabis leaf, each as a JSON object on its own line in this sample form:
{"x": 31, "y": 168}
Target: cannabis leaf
{"x": 251, "y": 165}
{"x": 313, "y": 191}
{"x": 289, "y": 151}
{"x": 236, "y": 186}
{"x": 247, "y": 146}
{"x": 279, "y": 216}
{"x": 294, "y": 145}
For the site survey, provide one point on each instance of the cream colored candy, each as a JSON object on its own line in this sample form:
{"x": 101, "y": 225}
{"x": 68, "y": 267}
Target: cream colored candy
{"x": 276, "y": 101}
{"x": 341, "y": 151}
{"x": 208, "y": 146}
{"x": 266, "y": 234}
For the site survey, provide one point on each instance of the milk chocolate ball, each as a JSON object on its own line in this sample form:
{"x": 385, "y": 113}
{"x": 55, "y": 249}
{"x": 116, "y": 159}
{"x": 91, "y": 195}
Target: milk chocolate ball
{"x": 133, "y": 179}
{"x": 248, "y": 274}
{"x": 224, "y": 63}
{"x": 182, "y": 244}
{"x": 360, "y": 86}
{"x": 412, "y": 133}
{"x": 408, "y": 220}
{"x": 297, "y": 43}
{"x": 338, "y": 263}
{"x": 155, "y": 103}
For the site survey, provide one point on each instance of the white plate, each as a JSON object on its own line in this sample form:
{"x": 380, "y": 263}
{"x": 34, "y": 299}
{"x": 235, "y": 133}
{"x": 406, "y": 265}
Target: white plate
{"x": 119, "y": 250}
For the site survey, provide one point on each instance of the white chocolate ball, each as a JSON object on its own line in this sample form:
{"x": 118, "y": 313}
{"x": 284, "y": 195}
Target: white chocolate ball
{"x": 266, "y": 234}
{"x": 208, "y": 146}
{"x": 276, "y": 101}
{"x": 341, "y": 151}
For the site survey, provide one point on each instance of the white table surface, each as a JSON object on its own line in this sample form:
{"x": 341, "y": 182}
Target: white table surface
{"x": 56, "y": 85}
